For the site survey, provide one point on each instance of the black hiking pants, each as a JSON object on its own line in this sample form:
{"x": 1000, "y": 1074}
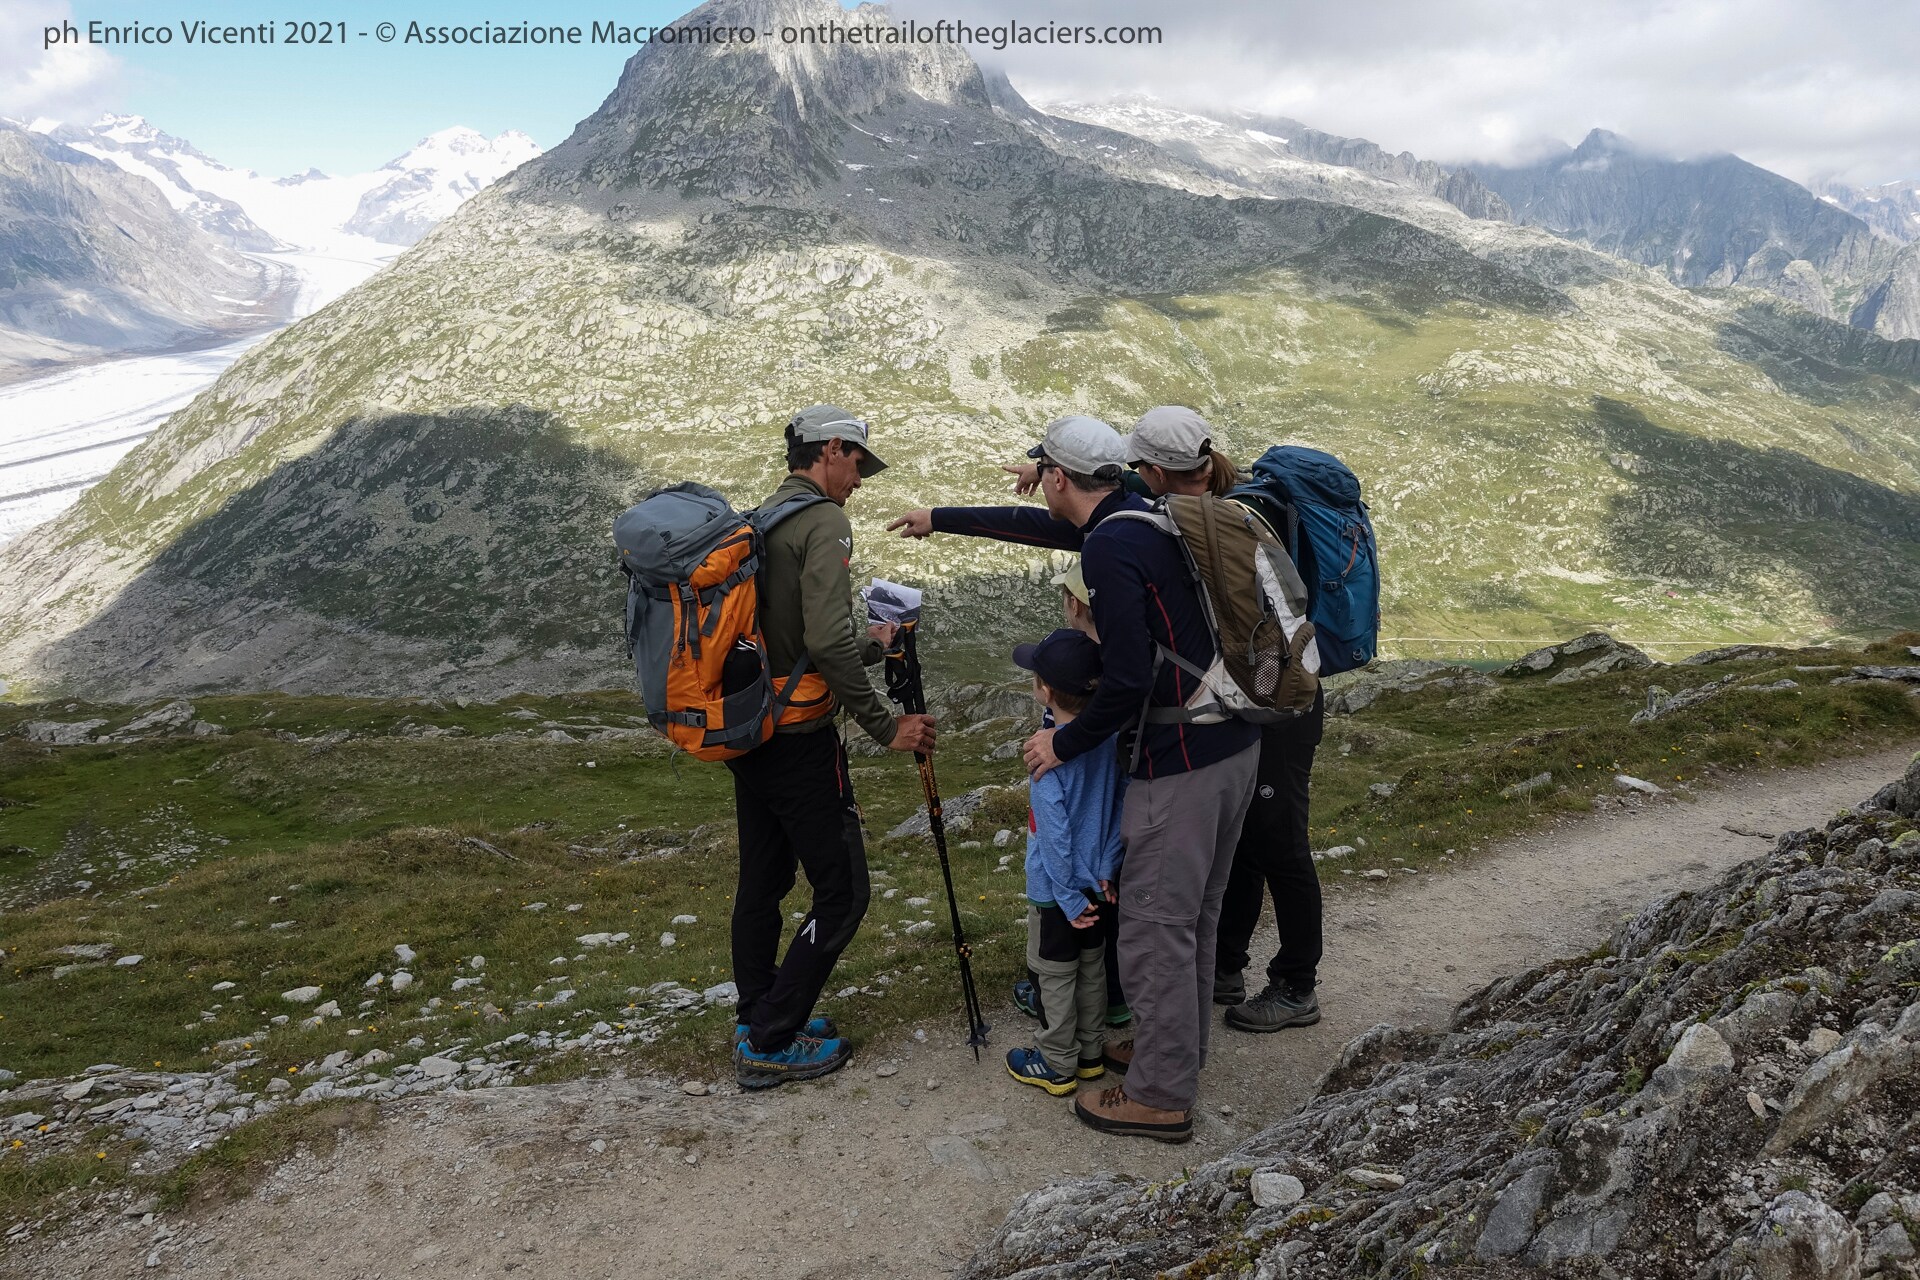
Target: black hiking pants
{"x": 796, "y": 811}
{"x": 1274, "y": 857}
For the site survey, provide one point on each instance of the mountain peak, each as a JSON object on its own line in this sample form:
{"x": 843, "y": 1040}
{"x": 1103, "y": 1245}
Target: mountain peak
{"x": 1601, "y": 142}
{"x": 719, "y": 116}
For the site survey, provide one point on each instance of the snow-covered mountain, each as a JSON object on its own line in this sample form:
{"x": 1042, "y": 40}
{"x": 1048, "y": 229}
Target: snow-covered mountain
{"x": 433, "y": 179}
{"x": 393, "y": 205}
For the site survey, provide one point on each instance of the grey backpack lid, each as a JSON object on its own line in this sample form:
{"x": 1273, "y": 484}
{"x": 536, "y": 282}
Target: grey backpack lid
{"x": 663, "y": 538}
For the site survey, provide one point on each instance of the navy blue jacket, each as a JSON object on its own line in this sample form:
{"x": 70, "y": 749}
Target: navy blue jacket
{"x": 1142, "y": 595}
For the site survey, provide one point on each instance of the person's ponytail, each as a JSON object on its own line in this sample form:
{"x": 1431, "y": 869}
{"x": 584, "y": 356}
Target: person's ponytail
{"x": 1223, "y": 476}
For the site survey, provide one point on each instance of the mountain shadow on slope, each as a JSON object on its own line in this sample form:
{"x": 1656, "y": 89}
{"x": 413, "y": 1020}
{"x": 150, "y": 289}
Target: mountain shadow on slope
{"x": 1724, "y": 517}
{"x": 467, "y": 551}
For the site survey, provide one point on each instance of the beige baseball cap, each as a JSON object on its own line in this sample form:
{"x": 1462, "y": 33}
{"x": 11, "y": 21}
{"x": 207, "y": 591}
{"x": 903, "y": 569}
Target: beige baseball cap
{"x": 1074, "y": 581}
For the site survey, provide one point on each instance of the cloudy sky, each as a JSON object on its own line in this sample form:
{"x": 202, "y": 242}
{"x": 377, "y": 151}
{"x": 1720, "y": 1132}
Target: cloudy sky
{"x": 1808, "y": 89}
{"x": 1803, "y": 87}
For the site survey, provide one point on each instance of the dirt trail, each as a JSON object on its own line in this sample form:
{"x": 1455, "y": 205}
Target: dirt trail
{"x": 867, "y": 1176}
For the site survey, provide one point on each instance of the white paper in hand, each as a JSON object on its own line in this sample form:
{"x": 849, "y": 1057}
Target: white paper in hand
{"x": 891, "y": 602}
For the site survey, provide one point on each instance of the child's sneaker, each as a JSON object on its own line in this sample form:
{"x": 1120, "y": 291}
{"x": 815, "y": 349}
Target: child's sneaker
{"x": 1091, "y": 1068}
{"x": 805, "y": 1059}
{"x": 1118, "y": 1015}
{"x": 1026, "y": 998}
{"x": 1028, "y": 1066}
{"x": 819, "y": 1028}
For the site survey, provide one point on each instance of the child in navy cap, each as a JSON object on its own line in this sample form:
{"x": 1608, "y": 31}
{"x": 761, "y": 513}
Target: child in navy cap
{"x": 1073, "y": 856}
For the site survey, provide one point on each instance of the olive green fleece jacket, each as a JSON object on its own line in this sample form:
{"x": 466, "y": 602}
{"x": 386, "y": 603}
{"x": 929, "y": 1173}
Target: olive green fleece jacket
{"x": 806, "y": 606}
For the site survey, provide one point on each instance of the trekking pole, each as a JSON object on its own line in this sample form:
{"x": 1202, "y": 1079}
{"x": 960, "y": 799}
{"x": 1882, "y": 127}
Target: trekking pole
{"x": 904, "y": 687}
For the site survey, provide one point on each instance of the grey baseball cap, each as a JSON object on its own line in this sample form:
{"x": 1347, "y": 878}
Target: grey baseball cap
{"x": 830, "y": 422}
{"x": 1086, "y": 445}
{"x": 1171, "y": 436}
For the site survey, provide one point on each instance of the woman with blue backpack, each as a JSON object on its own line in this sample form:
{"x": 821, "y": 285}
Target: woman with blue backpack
{"x": 1311, "y": 501}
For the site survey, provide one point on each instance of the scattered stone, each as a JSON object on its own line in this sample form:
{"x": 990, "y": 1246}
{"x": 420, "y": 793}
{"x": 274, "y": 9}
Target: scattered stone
{"x": 377, "y": 980}
{"x": 685, "y": 920}
{"x": 667, "y": 939}
{"x": 1527, "y": 787}
{"x": 278, "y": 1085}
{"x": 301, "y": 995}
{"x": 331, "y": 1009}
{"x": 1002, "y": 838}
{"x": 1627, "y": 782}
{"x": 1272, "y": 1189}
{"x": 127, "y": 962}
{"x": 1378, "y": 1179}
{"x": 400, "y": 981}
{"x": 535, "y": 906}
{"x": 1338, "y": 851}
{"x": 886, "y": 1069}
{"x": 1383, "y": 790}
{"x": 1700, "y": 1058}
{"x": 722, "y": 993}
{"x": 439, "y": 1068}
{"x": 694, "y": 1088}
{"x": 405, "y": 952}
{"x": 86, "y": 950}
{"x": 918, "y": 927}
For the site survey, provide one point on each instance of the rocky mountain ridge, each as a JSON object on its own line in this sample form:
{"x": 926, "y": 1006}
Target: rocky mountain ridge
{"x": 1711, "y": 221}
{"x": 1727, "y": 1090}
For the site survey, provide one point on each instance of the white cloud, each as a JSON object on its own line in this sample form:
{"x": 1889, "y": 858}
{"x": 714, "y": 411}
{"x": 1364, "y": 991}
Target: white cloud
{"x": 1804, "y": 88}
{"x": 68, "y": 82}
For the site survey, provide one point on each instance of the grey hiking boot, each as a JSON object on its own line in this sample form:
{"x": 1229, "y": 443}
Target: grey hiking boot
{"x": 1275, "y": 1009}
{"x": 1230, "y": 988}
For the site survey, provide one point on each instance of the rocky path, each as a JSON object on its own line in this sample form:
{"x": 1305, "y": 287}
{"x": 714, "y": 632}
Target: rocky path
{"x": 904, "y": 1173}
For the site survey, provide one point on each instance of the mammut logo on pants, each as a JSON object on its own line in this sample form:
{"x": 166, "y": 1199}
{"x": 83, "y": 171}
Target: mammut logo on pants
{"x": 1266, "y": 793}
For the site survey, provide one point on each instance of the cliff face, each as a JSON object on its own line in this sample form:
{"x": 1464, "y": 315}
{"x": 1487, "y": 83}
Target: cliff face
{"x": 1731, "y": 1090}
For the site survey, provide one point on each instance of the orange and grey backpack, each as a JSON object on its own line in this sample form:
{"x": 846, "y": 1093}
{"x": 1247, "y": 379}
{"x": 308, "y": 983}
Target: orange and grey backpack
{"x": 693, "y": 622}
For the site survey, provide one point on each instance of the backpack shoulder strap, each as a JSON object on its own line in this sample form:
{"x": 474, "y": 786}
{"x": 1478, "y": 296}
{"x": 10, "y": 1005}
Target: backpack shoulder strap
{"x": 764, "y": 518}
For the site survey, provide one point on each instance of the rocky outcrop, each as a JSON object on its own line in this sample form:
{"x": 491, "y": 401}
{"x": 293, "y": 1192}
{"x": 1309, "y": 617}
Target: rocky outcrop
{"x": 1345, "y": 697}
{"x": 1592, "y": 654}
{"x": 1732, "y": 1090}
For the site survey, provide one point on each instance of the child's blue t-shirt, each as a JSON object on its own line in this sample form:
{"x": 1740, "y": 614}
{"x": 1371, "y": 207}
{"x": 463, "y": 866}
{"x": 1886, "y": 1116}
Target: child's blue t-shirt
{"x": 1073, "y": 831}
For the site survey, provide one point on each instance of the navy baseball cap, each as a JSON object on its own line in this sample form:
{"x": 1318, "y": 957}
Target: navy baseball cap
{"x": 1066, "y": 660}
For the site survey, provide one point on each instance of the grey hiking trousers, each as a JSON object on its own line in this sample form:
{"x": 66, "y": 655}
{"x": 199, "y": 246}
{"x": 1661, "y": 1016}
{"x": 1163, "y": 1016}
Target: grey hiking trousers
{"x": 1068, "y": 967}
{"x": 1179, "y": 832}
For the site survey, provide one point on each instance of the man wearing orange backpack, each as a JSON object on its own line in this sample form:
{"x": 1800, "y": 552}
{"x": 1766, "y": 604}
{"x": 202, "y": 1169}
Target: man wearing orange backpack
{"x": 792, "y": 795}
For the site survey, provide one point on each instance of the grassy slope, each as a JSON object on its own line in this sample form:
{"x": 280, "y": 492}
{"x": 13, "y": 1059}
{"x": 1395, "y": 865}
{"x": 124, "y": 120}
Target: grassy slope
{"x": 186, "y": 842}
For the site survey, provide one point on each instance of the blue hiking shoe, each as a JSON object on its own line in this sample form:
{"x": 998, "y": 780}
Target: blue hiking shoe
{"x": 1029, "y": 1066}
{"x": 822, "y": 1028}
{"x": 1026, "y": 999}
{"x": 805, "y": 1059}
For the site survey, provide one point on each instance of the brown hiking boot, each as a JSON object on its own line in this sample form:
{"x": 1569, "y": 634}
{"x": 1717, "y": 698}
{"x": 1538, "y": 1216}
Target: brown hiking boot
{"x": 1118, "y": 1055}
{"x": 1112, "y": 1111}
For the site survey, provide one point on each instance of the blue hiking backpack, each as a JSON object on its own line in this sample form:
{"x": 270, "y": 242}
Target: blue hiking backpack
{"x": 1312, "y": 500}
